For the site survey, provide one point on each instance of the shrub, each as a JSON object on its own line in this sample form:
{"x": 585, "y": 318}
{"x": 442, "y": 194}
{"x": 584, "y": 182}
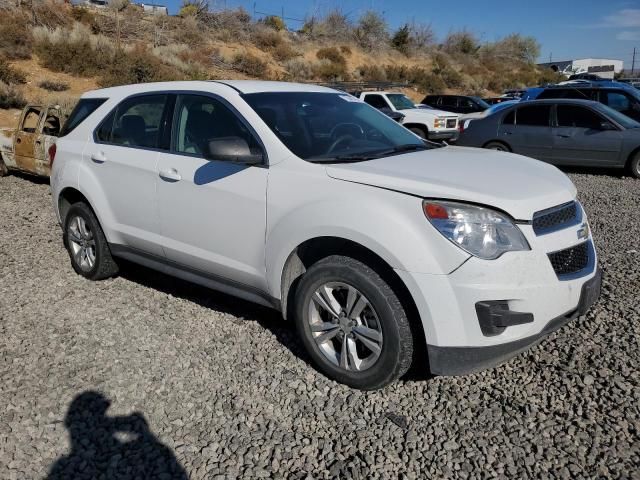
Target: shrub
{"x": 250, "y": 64}
{"x": 86, "y": 17}
{"x": 401, "y": 39}
{"x": 15, "y": 35}
{"x": 463, "y": 42}
{"x": 335, "y": 26}
{"x": 11, "y": 96}
{"x": 332, "y": 54}
{"x": 275, "y": 22}
{"x": 328, "y": 70}
{"x": 194, "y": 8}
{"x": 372, "y": 73}
{"x": 371, "y": 31}
{"x": 53, "y": 86}
{"x": 136, "y": 66}
{"x": 10, "y": 75}
{"x": 284, "y": 52}
{"x": 298, "y": 69}
{"x": 345, "y": 50}
{"x": 267, "y": 39}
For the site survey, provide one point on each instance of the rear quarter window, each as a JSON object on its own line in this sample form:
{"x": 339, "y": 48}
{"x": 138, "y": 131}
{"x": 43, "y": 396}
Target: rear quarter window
{"x": 84, "y": 108}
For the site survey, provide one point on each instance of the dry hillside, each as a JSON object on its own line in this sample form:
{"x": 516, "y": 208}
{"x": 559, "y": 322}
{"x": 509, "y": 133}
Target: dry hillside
{"x": 52, "y": 51}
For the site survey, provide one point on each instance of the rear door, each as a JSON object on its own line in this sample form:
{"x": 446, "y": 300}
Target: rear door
{"x": 376, "y": 101}
{"x": 449, "y": 104}
{"x": 530, "y": 135}
{"x": 212, "y": 212}
{"x": 622, "y": 102}
{"x": 26, "y": 137}
{"x": 124, "y": 157}
{"x": 579, "y": 138}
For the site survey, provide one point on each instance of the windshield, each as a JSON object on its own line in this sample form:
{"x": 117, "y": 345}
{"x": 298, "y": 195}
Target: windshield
{"x": 620, "y": 118}
{"x": 400, "y": 101}
{"x": 331, "y": 126}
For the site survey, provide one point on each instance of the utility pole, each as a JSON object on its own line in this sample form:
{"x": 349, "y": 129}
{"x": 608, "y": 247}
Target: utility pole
{"x": 633, "y": 62}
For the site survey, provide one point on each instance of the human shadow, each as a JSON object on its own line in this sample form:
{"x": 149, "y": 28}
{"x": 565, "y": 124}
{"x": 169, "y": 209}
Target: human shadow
{"x": 98, "y": 452}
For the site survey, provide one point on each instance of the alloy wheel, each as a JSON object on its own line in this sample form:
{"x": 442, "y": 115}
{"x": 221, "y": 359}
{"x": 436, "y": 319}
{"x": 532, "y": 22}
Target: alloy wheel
{"x": 82, "y": 243}
{"x": 345, "y": 326}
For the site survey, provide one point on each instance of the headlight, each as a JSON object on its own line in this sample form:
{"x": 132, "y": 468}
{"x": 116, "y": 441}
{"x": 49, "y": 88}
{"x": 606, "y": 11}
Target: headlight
{"x": 440, "y": 123}
{"x": 482, "y": 232}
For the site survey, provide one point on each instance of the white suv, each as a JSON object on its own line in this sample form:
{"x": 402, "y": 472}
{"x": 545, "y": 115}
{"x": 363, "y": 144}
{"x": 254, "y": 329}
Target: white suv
{"x": 310, "y": 201}
{"x": 424, "y": 121}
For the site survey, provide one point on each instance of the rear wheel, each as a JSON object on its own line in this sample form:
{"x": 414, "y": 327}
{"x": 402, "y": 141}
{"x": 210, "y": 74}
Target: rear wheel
{"x": 421, "y": 132}
{"x": 634, "y": 165}
{"x": 87, "y": 246}
{"x": 353, "y": 324}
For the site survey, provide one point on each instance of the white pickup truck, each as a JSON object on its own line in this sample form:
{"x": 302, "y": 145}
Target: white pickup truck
{"x": 428, "y": 123}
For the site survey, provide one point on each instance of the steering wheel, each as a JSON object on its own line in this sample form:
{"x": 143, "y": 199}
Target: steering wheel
{"x": 338, "y": 141}
{"x": 357, "y": 127}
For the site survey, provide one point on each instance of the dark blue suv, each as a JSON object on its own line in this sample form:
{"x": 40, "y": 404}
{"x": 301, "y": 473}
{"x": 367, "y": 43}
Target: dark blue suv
{"x": 624, "y": 99}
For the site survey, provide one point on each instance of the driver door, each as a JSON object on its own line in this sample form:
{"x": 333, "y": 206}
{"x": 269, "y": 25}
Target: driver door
{"x": 212, "y": 212}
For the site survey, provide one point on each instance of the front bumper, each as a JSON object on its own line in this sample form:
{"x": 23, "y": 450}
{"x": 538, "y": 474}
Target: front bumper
{"x": 451, "y": 135}
{"x": 464, "y": 360}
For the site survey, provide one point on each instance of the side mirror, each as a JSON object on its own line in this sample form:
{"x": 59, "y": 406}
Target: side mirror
{"x": 604, "y": 125}
{"x": 233, "y": 149}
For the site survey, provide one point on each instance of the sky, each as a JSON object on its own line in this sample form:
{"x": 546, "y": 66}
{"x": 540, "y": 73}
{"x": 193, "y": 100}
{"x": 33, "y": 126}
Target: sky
{"x": 566, "y": 29}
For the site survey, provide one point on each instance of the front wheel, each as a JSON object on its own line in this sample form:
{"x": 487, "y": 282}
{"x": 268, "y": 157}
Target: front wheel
{"x": 421, "y": 132}
{"x": 634, "y": 165}
{"x": 352, "y": 324}
{"x": 499, "y": 146}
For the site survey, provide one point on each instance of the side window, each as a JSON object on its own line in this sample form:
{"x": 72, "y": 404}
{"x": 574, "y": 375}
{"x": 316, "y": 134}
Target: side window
{"x": 618, "y": 101}
{"x": 376, "y": 101}
{"x": 509, "y": 118}
{"x": 52, "y": 123}
{"x": 200, "y": 119}
{"x": 449, "y": 101}
{"x": 580, "y": 117}
{"x": 136, "y": 122}
{"x": 534, "y": 116}
{"x": 30, "y": 122}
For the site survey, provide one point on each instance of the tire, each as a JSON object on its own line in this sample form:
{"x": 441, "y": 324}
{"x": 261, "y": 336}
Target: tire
{"x": 634, "y": 165}
{"x": 499, "y": 146}
{"x": 82, "y": 233}
{"x": 379, "y": 321}
{"x": 421, "y": 132}
{"x": 4, "y": 171}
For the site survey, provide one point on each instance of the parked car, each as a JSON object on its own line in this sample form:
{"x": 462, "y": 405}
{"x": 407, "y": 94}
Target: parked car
{"x": 562, "y": 132}
{"x": 25, "y": 148}
{"x": 427, "y": 123}
{"x": 456, "y": 103}
{"x": 301, "y": 198}
{"x": 464, "y": 120}
{"x": 624, "y": 99}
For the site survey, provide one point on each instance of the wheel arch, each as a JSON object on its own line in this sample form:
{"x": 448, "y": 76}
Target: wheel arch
{"x": 484, "y": 145}
{"x": 421, "y": 126}
{"x": 631, "y": 156}
{"x": 67, "y": 197}
{"x": 315, "y": 249}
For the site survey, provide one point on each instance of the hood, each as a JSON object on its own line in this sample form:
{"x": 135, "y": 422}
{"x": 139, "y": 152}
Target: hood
{"x": 515, "y": 184}
{"x": 429, "y": 111}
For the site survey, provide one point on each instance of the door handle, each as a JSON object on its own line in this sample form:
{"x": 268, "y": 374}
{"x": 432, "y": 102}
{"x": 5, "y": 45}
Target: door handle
{"x": 508, "y": 133}
{"x": 98, "y": 157}
{"x": 562, "y": 135}
{"x": 170, "y": 175}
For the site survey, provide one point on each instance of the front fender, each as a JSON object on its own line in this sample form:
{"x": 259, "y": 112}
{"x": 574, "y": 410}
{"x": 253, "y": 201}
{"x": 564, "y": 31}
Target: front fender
{"x": 390, "y": 224}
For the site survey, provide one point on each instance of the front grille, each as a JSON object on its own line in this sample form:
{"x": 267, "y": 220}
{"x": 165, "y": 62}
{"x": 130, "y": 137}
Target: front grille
{"x": 556, "y": 218}
{"x": 570, "y": 260}
{"x": 451, "y": 123}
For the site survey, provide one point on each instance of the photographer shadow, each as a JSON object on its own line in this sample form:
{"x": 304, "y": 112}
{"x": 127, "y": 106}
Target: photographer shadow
{"x": 120, "y": 447}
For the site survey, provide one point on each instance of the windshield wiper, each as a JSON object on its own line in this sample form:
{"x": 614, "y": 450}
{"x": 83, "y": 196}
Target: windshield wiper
{"x": 361, "y": 157}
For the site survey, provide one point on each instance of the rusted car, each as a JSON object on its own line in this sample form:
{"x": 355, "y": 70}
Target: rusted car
{"x": 26, "y": 149}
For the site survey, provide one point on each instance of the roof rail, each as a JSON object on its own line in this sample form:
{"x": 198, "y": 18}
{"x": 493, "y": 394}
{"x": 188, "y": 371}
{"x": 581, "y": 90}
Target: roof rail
{"x": 362, "y": 86}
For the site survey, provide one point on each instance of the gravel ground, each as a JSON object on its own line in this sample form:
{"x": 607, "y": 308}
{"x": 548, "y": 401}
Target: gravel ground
{"x": 204, "y": 385}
